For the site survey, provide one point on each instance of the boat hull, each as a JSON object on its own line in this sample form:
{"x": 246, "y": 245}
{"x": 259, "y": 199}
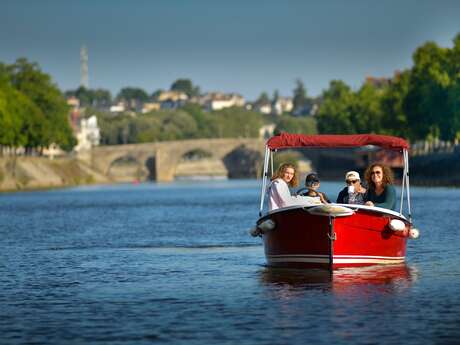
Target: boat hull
{"x": 301, "y": 239}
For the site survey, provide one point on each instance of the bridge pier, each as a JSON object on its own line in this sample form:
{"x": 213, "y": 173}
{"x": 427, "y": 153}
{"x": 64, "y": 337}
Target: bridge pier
{"x": 165, "y": 166}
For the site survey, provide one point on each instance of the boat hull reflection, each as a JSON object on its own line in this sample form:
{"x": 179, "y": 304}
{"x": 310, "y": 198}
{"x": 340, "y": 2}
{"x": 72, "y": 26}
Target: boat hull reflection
{"x": 396, "y": 277}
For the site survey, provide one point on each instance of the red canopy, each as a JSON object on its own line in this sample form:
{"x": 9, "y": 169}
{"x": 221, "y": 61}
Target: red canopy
{"x": 286, "y": 140}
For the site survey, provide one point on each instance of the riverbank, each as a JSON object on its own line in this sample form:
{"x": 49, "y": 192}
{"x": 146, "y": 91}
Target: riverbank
{"x": 28, "y": 173}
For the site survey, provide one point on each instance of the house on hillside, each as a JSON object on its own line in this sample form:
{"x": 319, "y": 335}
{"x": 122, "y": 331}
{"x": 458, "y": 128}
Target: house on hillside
{"x": 171, "y": 99}
{"x": 151, "y": 106}
{"x": 282, "y": 105}
{"x": 218, "y": 100}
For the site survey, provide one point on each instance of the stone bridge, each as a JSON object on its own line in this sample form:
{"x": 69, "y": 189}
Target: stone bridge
{"x": 159, "y": 160}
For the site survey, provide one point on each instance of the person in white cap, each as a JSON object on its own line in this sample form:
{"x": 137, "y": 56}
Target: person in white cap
{"x": 354, "y": 192}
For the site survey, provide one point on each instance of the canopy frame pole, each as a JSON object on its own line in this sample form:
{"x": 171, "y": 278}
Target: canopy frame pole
{"x": 403, "y": 184}
{"x": 264, "y": 180}
{"x": 406, "y": 160}
{"x": 271, "y": 160}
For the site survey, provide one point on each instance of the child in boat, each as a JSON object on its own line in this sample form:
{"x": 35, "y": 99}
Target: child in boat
{"x": 312, "y": 185}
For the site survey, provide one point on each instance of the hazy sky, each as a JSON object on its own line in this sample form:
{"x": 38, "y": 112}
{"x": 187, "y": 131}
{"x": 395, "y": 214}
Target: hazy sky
{"x": 233, "y": 46}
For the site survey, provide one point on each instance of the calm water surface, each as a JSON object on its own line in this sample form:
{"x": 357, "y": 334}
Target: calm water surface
{"x": 174, "y": 264}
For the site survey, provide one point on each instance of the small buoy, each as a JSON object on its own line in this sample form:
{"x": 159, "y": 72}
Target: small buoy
{"x": 266, "y": 225}
{"x": 397, "y": 225}
{"x": 254, "y": 232}
{"x": 414, "y": 233}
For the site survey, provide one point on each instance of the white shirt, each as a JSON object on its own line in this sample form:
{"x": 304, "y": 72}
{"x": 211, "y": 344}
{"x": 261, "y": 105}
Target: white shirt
{"x": 280, "y": 196}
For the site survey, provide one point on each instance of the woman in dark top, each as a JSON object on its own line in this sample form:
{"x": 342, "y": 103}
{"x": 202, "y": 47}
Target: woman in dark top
{"x": 381, "y": 192}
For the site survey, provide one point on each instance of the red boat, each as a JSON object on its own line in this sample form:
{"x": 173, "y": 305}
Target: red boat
{"x": 335, "y": 235}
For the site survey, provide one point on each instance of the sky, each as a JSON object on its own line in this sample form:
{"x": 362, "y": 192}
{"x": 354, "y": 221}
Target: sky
{"x": 243, "y": 46}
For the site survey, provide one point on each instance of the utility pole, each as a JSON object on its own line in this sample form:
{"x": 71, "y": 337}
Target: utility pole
{"x": 84, "y": 79}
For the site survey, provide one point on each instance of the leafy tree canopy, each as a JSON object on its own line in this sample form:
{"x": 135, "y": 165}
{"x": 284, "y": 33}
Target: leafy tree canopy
{"x": 186, "y": 86}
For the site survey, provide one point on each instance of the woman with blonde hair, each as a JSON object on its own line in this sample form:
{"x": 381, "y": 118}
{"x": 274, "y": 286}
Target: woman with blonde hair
{"x": 279, "y": 193}
{"x": 381, "y": 192}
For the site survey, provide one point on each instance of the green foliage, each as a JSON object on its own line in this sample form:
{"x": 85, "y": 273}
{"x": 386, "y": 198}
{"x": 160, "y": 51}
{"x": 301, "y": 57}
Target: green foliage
{"x": 33, "y": 111}
{"x": 300, "y": 95}
{"x": 263, "y": 98}
{"x": 334, "y": 115}
{"x": 394, "y": 119}
{"x": 420, "y": 103}
{"x": 426, "y": 104}
{"x": 186, "y": 86}
{"x": 186, "y": 123}
{"x": 98, "y": 98}
{"x": 291, "y": 124}
{"x": 288, "y": 156}
{"x": 132, "y": 94}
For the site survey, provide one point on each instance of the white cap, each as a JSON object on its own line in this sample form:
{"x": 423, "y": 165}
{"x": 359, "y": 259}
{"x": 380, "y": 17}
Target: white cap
{"x": 353, "y": 175}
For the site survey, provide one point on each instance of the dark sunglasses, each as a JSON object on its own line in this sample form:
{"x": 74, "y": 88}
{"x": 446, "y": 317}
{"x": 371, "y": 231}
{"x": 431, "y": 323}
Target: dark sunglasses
{"x": 376, "y": 173}
{"x": 351, "y": 181}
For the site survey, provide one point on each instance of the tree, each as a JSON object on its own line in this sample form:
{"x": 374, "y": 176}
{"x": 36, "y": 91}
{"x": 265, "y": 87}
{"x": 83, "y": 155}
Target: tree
{"x": 133, "y": 96}
{"x": 394, "y": 119}
{"x": 263, "y": 98}
{"x": 276, "y": 96}
{"x": 37, "y": 86}
{"x": 97, "y": 98}
{"x": 301, "y": 104}
{"x": 185, "y": 86}
{"x": 334, "y": 115}
{"x": 426, "y": 104}
{"x": 365, "y": 109}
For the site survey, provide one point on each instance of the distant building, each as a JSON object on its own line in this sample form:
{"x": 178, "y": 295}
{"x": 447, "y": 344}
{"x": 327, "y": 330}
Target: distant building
{"x": 171, "y": 99}
{"x": 120, "y": 107}
{"x": 282, "y": 105}
{"x": 88, "y": 134}
{"x": 171, "y": 96}
{"x": 263, "y": 107}
{"x": 151, "y": 106}
{"x": 218, "y": 100}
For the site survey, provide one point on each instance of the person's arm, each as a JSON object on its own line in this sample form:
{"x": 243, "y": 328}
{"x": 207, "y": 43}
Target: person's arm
{"x": 280, "y": 193}
{"x": 323, "y": 198}
{"x": 389, "y": 201}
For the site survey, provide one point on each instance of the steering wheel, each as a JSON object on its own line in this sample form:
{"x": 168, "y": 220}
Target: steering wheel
{"x": 302, "y": 191}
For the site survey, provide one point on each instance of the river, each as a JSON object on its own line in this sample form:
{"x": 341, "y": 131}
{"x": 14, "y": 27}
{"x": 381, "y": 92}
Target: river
{"x": 174, "y": 264}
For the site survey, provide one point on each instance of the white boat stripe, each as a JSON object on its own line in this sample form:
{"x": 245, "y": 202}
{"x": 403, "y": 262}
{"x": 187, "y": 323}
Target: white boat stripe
{"x": 336, "y": 261}
{"x": 369, "y": 256}
{"x": 357, "y": 261}
{"x": 338, "y": 256}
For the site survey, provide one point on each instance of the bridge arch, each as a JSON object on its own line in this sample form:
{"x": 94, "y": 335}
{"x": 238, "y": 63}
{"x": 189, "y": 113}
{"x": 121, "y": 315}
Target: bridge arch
{"x": 200, "y": 162}
{"x": 159, "y": 161}
{"x": 243, "y": 162}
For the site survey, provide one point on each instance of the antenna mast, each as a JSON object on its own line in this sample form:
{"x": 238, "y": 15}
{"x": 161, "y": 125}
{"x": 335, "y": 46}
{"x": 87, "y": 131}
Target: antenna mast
{"x": 84, "y": 80}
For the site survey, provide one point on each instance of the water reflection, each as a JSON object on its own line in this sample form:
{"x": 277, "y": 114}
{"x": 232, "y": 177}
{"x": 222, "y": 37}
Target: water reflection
{"x": 386, "y": 279}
